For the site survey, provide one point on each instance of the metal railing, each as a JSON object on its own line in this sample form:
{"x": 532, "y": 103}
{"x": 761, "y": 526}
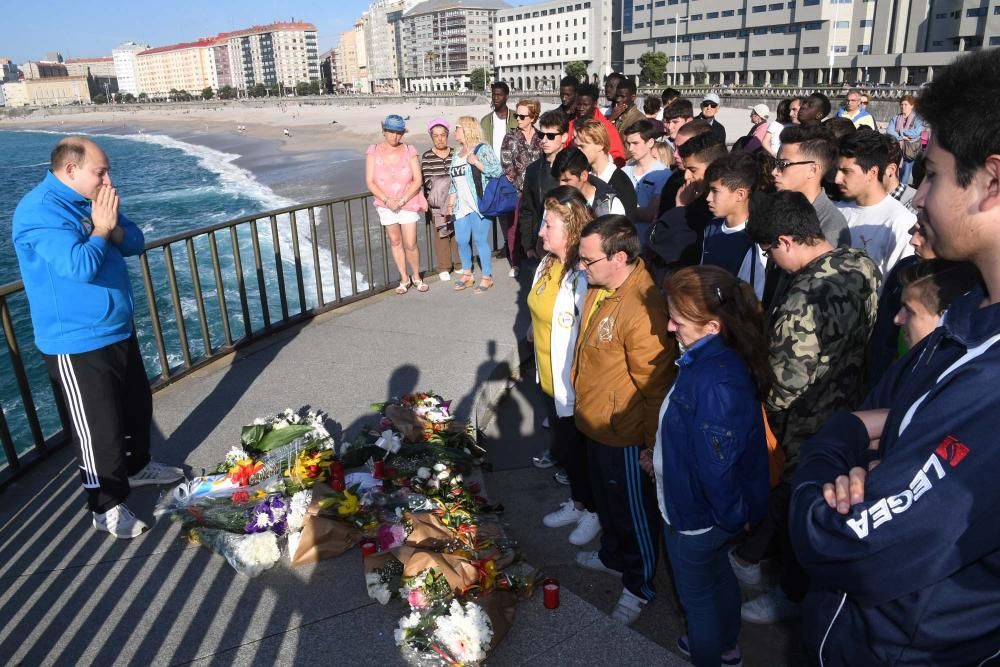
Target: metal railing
{"x": 204, "y": 294}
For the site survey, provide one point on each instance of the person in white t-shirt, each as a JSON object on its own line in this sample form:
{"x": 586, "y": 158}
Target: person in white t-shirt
{"x": 878, "y": 223}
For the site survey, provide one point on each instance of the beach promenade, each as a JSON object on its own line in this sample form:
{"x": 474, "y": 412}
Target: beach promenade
{"x": 71, "y": 595}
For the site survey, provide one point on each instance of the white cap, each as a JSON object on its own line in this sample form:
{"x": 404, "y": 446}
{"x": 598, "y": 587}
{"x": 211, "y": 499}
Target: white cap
{"x": 761, "y": 110}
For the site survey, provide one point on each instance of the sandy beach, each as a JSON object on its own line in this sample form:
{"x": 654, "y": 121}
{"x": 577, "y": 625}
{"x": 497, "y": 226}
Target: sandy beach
{"x": 324, "y": 154}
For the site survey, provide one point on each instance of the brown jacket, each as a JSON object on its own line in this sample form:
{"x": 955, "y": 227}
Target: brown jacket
{"x": 625, "y": 121}
{"x": 624, "y": 363}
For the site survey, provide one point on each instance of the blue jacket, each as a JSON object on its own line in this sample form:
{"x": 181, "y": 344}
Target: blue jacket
{"x": 912, "y": 575}
{"x": 77, "y": 284}
{"x": 714, "y": 453}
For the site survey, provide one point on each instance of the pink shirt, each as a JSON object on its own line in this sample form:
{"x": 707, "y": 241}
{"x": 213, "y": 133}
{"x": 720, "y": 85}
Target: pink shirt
{"x": 394, "y": 178}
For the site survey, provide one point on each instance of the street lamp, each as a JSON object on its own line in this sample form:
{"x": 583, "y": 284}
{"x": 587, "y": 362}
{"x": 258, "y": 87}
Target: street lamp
{"x": 677, "y": 21}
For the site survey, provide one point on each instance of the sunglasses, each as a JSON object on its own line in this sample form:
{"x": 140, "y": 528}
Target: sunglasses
{"x": 782, "y": 165}
{"x": 522, "y": 116}
{"x": 711, "y": 105}
{"x": 551, "y": 136}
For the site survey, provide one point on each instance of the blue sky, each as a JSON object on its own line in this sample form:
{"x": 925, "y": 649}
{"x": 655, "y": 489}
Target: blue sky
{"x": 85, "y": 29}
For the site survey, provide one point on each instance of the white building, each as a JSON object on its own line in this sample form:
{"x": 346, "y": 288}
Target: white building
{"x": 123, "y": 58}
{"x": 535, "y": 42}
{"x": 445, "y": 41}
{"x": 380, "y": 42}
{"x": 282, "y": 53}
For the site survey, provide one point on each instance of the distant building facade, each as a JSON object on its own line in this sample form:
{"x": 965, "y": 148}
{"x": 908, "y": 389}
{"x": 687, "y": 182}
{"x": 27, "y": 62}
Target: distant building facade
{"x": 347, "y": 60}
{"x": 534, "y": 43}
{"x": 283, "y": 53}
{"x": 8, "y": 70}
{"x": 328, "y": 70}
{"x": 48, "y": 91}
{"x": 381, "y": 26}
{"x": 102, "y": 67}
{"x": 126, "y": 70}
{"x": 43, "y": 69}
{"x": 805, "y": 42}
{"x": 188, "y": 67}
{"x": 445, "y": 41}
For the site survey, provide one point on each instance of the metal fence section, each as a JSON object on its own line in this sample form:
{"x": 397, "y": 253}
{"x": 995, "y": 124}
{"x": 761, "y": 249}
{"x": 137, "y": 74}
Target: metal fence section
{"x": 202, "y": 295}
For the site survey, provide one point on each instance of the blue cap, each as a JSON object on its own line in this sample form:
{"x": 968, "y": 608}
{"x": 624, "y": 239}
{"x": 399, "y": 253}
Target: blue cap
{"x": 394, "y": 123}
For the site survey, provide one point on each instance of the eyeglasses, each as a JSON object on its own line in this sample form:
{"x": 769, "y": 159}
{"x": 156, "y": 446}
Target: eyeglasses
{"x": 782, "y": 165}
{"x": 590, "y": 262}
{"x": 523, "y": 116}
{"x": 711, "y": 105}
{"x": 551, "y": 136}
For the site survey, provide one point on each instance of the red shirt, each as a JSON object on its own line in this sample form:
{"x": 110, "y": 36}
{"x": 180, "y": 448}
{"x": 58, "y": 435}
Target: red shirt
{"x": 617, "y": 148}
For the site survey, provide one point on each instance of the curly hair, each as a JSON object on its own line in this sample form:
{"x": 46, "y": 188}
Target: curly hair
{"x": 572, "y": 207}
{"x": 472, "y": 130}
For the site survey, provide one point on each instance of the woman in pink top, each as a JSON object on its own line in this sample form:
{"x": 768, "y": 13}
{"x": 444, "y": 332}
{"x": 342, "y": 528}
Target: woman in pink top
{"x": 392, "y": 171}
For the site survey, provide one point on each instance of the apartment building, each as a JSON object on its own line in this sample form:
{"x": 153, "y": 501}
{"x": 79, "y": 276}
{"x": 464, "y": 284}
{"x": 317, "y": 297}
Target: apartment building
{"x": 189, "y": 67}
{"x": 381, "y": 32}
{"x": 281, "y": 53}
{"x": 43, "y": 69}
{"x": 348, "y": 71}
{"x": 534, "y": 43}
{"x": 445, "y": 41}
{"x": 103, "y": 67}
{"x": 47, "y": 91}
{"x": 8, "y": 70}
{"x": 803, "y": 42}
{"x": 123, "y": 57}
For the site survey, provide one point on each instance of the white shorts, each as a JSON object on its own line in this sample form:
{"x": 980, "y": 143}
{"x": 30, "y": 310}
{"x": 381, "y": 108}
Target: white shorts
{"x": 401, "y": 218}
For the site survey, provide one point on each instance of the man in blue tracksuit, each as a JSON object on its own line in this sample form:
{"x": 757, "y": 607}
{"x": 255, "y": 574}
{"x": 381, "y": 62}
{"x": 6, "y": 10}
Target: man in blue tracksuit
{"x": 71, "y": 242}
{"x": 894, "y": 512}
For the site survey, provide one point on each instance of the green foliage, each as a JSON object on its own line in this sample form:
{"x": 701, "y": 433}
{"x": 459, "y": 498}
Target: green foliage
{"x": 227, "y": 93}
{"x": 302, "y": 88}
{"x": 207, "y": 93}
{"x": 129, "y": 98}
{"x": 314, "y": 88}
{"x": 143, "y": 97}
{"x": 653, "y": 67}
{"x": 258, "y": 438}
{"x": 577, "y": 68}
{"x": 258, "y": 90}
{"x": 100, "y": 99}
{"x": 477, "y": 79}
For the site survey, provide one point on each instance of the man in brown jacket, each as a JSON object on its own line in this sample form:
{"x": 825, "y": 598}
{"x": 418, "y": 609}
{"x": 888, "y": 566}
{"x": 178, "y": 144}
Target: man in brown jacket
{"x": 623, "y": 366}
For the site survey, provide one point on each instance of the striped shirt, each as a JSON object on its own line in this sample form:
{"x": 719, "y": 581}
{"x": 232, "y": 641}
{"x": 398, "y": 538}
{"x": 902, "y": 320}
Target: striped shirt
{"x": 432, "y": 166}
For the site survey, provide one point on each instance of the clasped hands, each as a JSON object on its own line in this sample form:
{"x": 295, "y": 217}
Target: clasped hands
{"x": 848, "y": 490}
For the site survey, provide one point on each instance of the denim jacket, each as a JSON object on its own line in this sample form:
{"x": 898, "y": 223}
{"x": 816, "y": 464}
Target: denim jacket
{"x": 491, "y": 169}
{"x": 714, "y": 453}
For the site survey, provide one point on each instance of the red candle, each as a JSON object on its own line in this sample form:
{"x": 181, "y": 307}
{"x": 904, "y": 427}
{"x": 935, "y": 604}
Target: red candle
{"x": 379, "y": 470}
{"x": 550, "y": 589}
{"x": 368, "y": 548}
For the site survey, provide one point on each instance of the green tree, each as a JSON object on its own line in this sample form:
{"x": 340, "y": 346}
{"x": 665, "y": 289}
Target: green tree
{"x": 577, "y": 68}
{"x": 227, "y": 93}
{"x": 207, "y": 93}
{"x": 258, "y": 90}
{"x": 302, "y": 88}
{"x": 653, "y": 67}
{"x": 314, "y": 88}
{"x": 100, "y": 98}
{"x": 477, "y": 79}
{"x": 143, "y": 97}
{"x": 174, "y": 94}
{"x": 129, "y": 98}
{"x": 118, "y": 98}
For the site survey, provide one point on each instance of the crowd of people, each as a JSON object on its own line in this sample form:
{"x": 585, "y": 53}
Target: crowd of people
{"x": 776, "y": 357}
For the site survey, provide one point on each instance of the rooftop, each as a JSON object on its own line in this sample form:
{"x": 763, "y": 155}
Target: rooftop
{"x": 102, "y": 59}
{"x": 441, "y": 5}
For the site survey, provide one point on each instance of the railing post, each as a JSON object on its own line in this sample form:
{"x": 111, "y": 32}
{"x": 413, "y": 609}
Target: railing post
{"x": 154, "y": 316}
{"x": 220, "y": 288}
{"x": 175, "y": 297}
{"x": 351, "y": 256}
{"x": 198, "y": 298}
{"x": 278, "y": 268}
{"x": 240, "y": 282}
{"x": 333, "y": 252}
{"x": 22, "y": 378}
{"x": 299, "y": 281}
{"x": 258, "y": 266}
{"x": 317, "y": 269}
{"x": 368, "y": 247}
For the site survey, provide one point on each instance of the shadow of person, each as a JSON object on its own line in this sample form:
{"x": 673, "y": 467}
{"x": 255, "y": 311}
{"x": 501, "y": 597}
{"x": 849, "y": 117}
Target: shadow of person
{"x": 403, "y": 380}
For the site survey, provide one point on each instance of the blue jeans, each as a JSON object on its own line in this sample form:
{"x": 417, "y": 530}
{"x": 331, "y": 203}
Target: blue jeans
{"x": 708, "y": 591}
{"x": 906, "y": 173}
{"x": 478, "y": 227}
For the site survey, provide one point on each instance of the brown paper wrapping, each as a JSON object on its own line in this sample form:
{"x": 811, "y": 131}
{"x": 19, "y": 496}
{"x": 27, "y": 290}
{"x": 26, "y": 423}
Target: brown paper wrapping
{"x": 406, "y": 422}
{"x": 377, "y": 561}
{"x": 428, "y": 532}
{"x": 324, "y": 538}
{"x": 460, "y": 572}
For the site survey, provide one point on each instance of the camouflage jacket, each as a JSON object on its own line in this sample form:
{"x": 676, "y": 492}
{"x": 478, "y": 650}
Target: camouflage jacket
{"x": 818, "y": 334}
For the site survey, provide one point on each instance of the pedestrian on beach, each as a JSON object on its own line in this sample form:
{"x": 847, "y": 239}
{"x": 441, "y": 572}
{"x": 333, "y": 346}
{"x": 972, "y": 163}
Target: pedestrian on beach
{"x": 471, "y": 167}
{"x": 435, "y": 164}
{"x": 710, "y": 459}
{"x": 555, "y": 300}
{"x": 392, "y": 171}
{"x": 71, "y": 241}
{"x": 623, "y": 365}
{"x": 521, "y": 147}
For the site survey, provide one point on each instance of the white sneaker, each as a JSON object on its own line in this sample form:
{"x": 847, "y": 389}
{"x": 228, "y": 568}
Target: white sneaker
{"x": 444, "y": 276}
{"x": 155, "y": 473}
{"x": 513, "y": 272}
{"x": 629, "y": 608}
{"x": 747, "y": 573}
{"x": 566, "y": 515}
{"x": 771, "y": 607}
{"x": 592, "y": 561}
{"x": 587, "y": 528}
{"x": 120, "y": 522}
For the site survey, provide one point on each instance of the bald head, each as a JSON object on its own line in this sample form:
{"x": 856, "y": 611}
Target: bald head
{"x": 72, "y": 149}
{"x": 81, "y": 165}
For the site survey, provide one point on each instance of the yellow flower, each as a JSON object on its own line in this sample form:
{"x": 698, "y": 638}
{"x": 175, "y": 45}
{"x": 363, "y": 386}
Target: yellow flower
{"x": 350, "y": 505}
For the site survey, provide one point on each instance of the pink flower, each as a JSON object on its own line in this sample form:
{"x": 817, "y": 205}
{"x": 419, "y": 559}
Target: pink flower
{"x": 390, "y": 536}
{"x": 417, "y": 598}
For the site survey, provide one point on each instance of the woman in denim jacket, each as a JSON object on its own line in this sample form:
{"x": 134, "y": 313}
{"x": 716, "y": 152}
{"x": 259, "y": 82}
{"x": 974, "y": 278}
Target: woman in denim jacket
{"x": 710, "y": 457}
{"x": 463, "y": 201}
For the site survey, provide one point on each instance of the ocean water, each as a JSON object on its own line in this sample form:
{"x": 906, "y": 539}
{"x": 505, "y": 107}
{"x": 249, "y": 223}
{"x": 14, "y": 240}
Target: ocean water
{"x": 166, "y": 187}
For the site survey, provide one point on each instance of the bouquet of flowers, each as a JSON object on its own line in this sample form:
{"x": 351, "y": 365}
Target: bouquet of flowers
{"x": 461, "y": 633}
{"x": 274, "y": 431}
{"x": 382, "y": 576}
{"x": 427, "y": 589}
{"x": 247, "y": 554}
